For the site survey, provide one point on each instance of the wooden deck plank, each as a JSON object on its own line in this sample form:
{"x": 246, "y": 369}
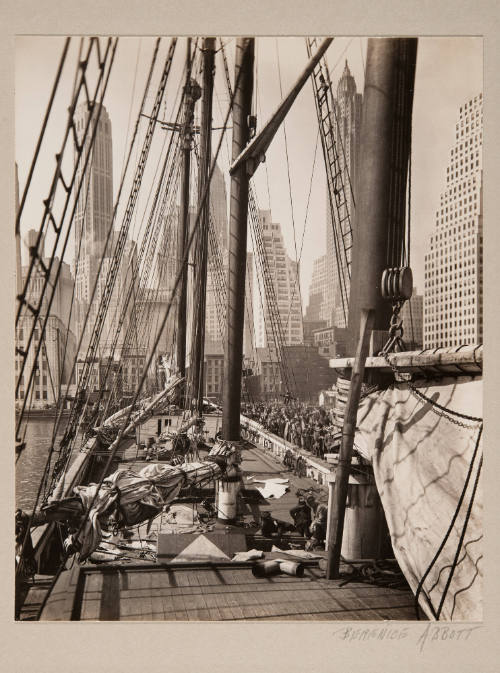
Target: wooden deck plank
{"x": 180, "y": 577}
{"x": 248, "y": 611}
{"x": 192, "y": 594}
{"x": 226, "y": 613}
{"x": 214, "y": 614}
{"x": 157, "y": 607}
{"x": 139, "y": 580}
{"x": 237, "y": 612}
{"x": 174, "y": 603}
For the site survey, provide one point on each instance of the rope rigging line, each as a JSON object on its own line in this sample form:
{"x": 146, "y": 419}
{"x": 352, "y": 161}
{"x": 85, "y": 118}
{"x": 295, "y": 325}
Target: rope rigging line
{"x": 48, "y": 216}
{"x": 76, "y": 413}
{"x": 125, "y": 304}
{"x": 297, "y": 257}
{"x": 305, "y": 220}
{"x": 151, "y": 355}
{"x": 109, "y": 284}
{"x": 101, "y": 83}
{"x": 42, "y": 133}
{"x": 102, "y": 80}
{"x": 147, "y": 251}
{"x": 63, "y": 401}
{"x": 130, "y": 107}
{"x": 339, "y": 207}
{"x": 297, "y": 279}
{"x": 129, "y": 211}
{"x": 333, "y": 175}
{"x": 420, "y": 587}
{"x": 269, "y": 292}
{"x": 271, "y": 302}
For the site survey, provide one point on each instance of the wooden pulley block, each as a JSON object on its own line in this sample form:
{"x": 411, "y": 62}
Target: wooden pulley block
{"x": 397, "y": 284}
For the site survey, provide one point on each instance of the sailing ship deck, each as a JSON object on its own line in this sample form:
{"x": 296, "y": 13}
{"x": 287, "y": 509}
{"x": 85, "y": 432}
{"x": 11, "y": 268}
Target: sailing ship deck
{"x": 139, "y": 590}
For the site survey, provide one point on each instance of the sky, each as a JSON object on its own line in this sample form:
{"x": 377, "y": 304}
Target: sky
{"x": 449, "y": 72}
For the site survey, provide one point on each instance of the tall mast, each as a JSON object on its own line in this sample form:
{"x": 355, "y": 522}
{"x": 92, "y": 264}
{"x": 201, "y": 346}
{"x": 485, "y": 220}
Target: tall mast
{"x": 381, "y": 187}
{"x": 237, "y": 242}
{"x": 202, "y": 237}
{"x": 191, "y": 96}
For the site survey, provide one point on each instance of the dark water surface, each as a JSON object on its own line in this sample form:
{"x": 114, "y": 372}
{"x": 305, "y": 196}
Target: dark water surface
{"x": 31, "y": 463}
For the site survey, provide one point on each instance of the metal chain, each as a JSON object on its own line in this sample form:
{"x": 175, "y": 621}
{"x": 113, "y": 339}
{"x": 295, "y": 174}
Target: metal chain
{"x": 448, "y": 414}
{"x": 396, "y": 338}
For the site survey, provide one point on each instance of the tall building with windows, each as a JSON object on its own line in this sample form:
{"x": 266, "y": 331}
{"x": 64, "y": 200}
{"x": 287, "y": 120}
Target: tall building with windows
{"x": 217, "y": 258}
{"x": 453, "y": 296}
{"x": 316, "y": 308}
{"x": 346, "y": 126}
{"x": 93, "y": 220}
{"x": 412, "y": 315}
{"x": 57, "y": 345}
{"x": 94, "y": 209}
{"x": 249, "y": 330}
{"x": 284, "y": 279}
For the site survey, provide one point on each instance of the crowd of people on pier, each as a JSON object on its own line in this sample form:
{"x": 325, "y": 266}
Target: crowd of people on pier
{"x": 309, "y": 428}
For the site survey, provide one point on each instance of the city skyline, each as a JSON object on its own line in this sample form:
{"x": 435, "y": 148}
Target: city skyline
{"x": 442, "y": 82}
{"x": 94, "y": 213}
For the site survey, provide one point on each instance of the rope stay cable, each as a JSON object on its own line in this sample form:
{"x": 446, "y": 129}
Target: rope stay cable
{"x": 335, "y": 171}
{"x": 76, "y": 414}
{"x": 127, "y": 218}
{"x": 42, "y": 133}
{"x": 270, "y": 302}
{"x": 420, "y": 588}
{"x": 305, "y": 222}
{"x": 105, "y": 67}
{"x": 48, "y": 216}
{"x": 270, "y": 294}
{"x": 147, "y": 250}
{"x": 297, "y": 258}
{"x": 126, "y": 421}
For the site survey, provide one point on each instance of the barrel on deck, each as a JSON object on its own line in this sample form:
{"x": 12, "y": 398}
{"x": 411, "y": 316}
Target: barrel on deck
{"x": 227, "y": 495}
{"x": 364, "y": 524}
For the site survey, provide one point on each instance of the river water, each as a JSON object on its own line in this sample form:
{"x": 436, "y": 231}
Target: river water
{"x": 31, "y": 463}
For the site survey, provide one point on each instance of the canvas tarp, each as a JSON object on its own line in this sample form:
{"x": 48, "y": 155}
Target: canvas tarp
{"x": 421, "y": 458}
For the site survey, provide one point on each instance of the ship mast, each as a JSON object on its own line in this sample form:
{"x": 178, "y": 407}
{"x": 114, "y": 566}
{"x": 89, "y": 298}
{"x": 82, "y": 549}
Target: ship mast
{"x": 202, "y": 236}
{"x": 381, "y": 190}
{"x": 237, "y": 242}
{"x": 246, "y": 158}
{"x": 192, "y": 93}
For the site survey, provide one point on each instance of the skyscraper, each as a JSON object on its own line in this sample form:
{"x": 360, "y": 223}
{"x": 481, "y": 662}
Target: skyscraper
{"x": 316, "y": 309}
{"x": 453, "y": 296}
{"x": 249, "y": 331}
{"x": 412, "y": 317}
{"x": 58, "y": 346}
{"x": 346, "y": 127}
{"x": 218, "y": 215}
{"x": 284, "y": 278}
{"x": 94, "y": 210}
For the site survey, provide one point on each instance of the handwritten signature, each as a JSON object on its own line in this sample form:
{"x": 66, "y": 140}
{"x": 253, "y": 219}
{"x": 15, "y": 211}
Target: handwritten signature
{"x": 431, "y": 633}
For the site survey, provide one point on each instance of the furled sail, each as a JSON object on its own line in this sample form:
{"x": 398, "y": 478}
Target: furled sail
{"x": 127, "y": 498}
{"x": 426, "y": 455}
